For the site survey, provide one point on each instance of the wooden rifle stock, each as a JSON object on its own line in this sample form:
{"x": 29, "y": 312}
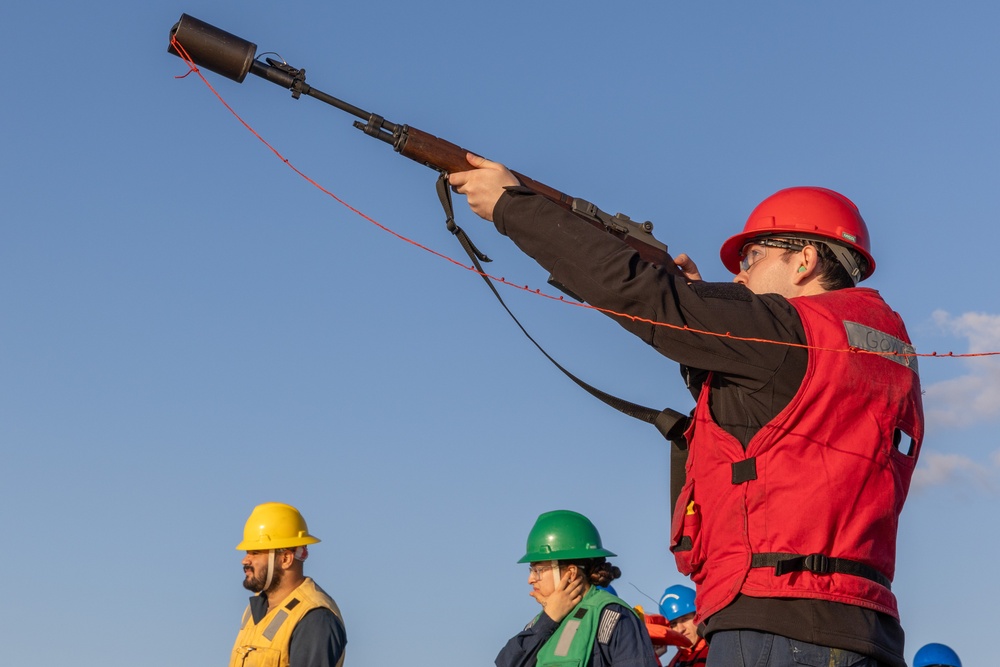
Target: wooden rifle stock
{"x": 444, "y": 156}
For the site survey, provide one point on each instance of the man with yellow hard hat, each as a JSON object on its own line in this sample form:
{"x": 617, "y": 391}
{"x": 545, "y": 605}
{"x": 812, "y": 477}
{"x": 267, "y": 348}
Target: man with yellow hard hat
{"x": 290, "y": 620}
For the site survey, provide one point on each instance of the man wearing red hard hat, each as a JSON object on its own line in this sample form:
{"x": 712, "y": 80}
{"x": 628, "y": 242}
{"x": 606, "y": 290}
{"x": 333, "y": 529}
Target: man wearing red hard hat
{"x": 808, "y": 419}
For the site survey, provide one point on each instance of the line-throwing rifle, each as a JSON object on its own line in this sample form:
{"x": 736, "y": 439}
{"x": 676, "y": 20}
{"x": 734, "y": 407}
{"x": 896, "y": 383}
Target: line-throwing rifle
{"x": 234, "y": 57}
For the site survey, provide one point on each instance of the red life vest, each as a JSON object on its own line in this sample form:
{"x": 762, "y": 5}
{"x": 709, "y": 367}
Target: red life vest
{"x": 810, "y": 508}
{"x": 660, "y": 633}
{"x": 693, "y": 656}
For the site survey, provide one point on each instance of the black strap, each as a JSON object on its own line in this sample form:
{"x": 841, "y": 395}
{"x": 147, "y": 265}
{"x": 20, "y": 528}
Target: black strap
{"x": 444, "y": 195}
{"x": 784, "y": 563}
{"x": 745, "y": 470}
{"x": 670, "y": 423}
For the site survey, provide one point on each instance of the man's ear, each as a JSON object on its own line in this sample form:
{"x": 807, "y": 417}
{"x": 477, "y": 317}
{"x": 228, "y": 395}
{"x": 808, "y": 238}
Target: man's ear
{"x": 807, "y": 264}
{"x": 285, "y": 558}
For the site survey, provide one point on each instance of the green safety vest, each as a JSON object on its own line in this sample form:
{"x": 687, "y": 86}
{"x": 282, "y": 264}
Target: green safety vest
{"x": 573, "y": 641}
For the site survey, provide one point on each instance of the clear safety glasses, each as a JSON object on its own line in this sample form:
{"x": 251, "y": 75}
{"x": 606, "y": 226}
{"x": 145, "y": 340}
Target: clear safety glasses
{"x": 756, "y": 250}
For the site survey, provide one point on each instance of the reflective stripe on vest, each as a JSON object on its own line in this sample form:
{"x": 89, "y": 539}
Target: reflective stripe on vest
{"x": 272, "y": 628}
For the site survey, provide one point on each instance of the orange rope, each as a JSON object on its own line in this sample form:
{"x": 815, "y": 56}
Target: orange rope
{"x": 635, "y": 318}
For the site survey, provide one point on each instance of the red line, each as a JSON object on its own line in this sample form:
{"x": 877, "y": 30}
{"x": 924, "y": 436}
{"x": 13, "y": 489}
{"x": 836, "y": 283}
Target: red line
{"x": 194, "y": 68}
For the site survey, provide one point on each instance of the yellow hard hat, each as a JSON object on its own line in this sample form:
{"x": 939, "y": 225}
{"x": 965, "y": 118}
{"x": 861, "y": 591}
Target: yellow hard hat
{"x": 275, "y": 526}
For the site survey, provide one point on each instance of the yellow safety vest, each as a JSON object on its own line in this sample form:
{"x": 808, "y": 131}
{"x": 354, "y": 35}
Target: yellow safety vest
{"x": 265, "y": 644}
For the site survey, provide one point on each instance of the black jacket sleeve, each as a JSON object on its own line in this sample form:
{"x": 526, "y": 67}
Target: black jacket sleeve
{"x": 608, "y": 273}
{"x": 521, "y": 649}
{"x": 755, "y": 378}
{"x": 318, "y": 640}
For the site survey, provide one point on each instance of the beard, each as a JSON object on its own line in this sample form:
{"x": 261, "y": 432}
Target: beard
{"x": 255, "y": 580}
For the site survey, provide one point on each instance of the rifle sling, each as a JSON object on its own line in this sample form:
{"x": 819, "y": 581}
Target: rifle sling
{"x": 670, "y": 423}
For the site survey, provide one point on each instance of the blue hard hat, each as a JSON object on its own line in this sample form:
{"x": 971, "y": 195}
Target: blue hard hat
{"x": 677, "y": 601}
{"x": 935, "y": 655}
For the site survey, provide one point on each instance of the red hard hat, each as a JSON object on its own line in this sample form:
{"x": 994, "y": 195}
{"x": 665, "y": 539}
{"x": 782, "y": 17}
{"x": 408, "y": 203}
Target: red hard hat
{"x": 803, "y": 212}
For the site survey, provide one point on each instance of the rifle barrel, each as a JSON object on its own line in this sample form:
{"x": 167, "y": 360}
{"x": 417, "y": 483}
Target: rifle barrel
{"x": 234, "y": 57}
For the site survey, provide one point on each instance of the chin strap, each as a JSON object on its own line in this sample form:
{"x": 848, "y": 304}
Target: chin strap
{"x": 301, "y": 553}
{"x": 270, "y": 570}
{"x": 846, "y": 260}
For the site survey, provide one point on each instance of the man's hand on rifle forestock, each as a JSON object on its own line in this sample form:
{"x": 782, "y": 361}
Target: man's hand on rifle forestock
{"x": 482, "y": 185}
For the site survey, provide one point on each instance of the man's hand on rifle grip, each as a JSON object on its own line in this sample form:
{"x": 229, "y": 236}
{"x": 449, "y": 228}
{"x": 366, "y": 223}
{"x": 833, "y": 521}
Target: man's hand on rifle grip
{"x": 482, "y": 185}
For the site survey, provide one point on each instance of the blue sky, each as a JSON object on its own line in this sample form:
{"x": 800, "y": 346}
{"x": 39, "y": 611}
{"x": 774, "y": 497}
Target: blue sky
{"x": 190, "y": 329}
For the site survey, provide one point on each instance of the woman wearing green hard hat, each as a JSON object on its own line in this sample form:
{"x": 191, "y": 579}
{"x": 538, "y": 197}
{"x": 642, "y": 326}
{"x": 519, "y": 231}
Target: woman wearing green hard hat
{"x": 581, "y": 623}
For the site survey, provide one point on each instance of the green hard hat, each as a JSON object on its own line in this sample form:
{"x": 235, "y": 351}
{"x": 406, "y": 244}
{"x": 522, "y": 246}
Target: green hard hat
{"x": 563, "y": 535}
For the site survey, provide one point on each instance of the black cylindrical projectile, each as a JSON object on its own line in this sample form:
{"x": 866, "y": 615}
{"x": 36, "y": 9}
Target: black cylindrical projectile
{"x": 212, "y": 48}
